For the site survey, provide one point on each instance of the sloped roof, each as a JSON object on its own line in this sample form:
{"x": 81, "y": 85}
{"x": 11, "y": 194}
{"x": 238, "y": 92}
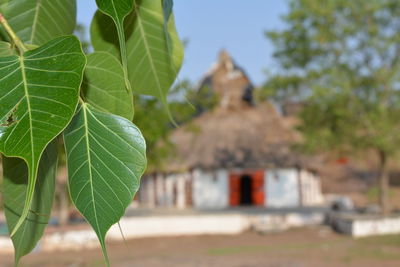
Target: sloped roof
{"x": 252, "y": 137}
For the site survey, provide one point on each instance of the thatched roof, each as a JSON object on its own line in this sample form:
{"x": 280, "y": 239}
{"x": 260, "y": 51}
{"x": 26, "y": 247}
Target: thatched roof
{"x": 238, "y": 133}
{"x": 252, "y": 137}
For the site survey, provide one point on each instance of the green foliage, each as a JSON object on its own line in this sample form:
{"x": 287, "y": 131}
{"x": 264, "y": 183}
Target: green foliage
{"x": 37, "y": 23}
{"x": 39, "y": 89}
{"x": 106, "y": 156}
{"x": 342, "y": 59}
{"x": 118, "y": 10}
{"x": 155, "y": 51}
{"x": 5, "y": 49}
{"x": 44, "y": 75}
{"x": 104, "y": 76}
{"x": 15, "y": 186}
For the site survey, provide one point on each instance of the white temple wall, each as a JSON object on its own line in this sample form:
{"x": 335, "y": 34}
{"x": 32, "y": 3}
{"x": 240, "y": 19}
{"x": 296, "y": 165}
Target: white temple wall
{"x": 169, "y": 190}
{"x": 160, "y": 190}
{"x": 311, "y": 189}
{"x": 147, "y": 194}
{"x": 210, "y": 189}
{"x": 281, "y": 188}
{"x": 180, "y": 190}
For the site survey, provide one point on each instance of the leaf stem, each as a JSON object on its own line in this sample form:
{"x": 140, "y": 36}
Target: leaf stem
{"x": 81, "y": 100}
{"x": 124, "y": 59}
{"x": 21, "y": 47}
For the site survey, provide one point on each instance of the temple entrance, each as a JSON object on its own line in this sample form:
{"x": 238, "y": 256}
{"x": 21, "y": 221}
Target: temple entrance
{"x": 246, "y": 190}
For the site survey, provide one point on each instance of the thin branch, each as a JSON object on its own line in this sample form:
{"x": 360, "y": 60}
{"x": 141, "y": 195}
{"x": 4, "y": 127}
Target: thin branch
{"x": 21, "y": 47}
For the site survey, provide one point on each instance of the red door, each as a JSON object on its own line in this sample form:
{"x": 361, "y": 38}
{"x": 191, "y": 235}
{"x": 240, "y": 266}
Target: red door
{"x": 234, "y": 189}
{"x": 258, "y": 188}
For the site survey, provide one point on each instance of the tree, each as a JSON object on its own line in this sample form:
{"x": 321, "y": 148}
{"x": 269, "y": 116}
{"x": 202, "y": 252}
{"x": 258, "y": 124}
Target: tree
{"x": 342, "y": 58}
{"x": 50, "y": 89}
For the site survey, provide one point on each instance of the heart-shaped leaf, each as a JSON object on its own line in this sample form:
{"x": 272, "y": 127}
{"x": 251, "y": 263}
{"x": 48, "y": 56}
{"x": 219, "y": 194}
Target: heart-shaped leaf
{"x": 38, "y": 96}
{"x": 104, "y": 85}
{"x": 106, "y": 156}
{"x": 15, "y": 189}
{"x": 154, "y": 56}
{"x": 37, "y": 22}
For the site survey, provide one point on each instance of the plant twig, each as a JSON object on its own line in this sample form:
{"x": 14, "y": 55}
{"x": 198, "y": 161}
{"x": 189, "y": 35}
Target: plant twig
{"x": 21, "y": 47}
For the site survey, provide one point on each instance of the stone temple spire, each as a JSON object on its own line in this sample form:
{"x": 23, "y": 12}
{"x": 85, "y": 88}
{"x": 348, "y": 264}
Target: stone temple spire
{"x": 229, "y": 82}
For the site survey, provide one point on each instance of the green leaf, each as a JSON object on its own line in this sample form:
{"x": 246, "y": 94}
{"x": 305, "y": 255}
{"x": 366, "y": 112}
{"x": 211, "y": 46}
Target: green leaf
{"x": 167, "y": 8}
{"x": 15, "y": 189}
{"x": 118, "y": 10}
{"x": 154, "y": 57}
{"x": 5, "y": 49}
{"x": 38, "y": 21}
{"x": 3, "y": 34}
{"x": 106, "y": 156}
{"x": 38, "y": 96}
{"x": 104, "y": 85}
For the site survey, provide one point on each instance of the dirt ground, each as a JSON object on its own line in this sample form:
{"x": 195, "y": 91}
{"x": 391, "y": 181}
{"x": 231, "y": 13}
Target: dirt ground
{"x": 316, "y": 246}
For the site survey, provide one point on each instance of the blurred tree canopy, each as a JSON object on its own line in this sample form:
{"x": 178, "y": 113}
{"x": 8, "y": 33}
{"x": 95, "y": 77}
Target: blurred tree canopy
{"x": 342, "y": 59}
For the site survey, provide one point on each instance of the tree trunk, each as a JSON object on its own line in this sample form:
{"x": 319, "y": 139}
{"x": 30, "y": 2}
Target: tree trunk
{"x": 383, "y": 184}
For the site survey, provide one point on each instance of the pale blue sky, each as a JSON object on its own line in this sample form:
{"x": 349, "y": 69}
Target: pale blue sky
{"x": 210, "y": 25}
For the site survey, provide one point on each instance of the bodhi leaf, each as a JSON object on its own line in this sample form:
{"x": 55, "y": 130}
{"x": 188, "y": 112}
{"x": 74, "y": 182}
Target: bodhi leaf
{"x": 38, "y": 96}
{"x": 15, "y": 189}
{"x": 5, "y": 49}
{"x": 104, "y": 85}
{"x": 118, "y": 10}
{"x": 3, "y": 34}
{"x": 106, "y": 156}
{"x": 36, "y": 22}
{"x": 154, "y": 57}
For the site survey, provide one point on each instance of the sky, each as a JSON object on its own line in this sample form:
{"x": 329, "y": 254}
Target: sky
{"x": 211, "y": 25}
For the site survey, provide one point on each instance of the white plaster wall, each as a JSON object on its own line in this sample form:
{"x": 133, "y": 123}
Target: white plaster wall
{"x": 147, "y": 193}
{"x": 282, "y": 188}
{"x": 380, "y": 226}
{"x": 169, "y": 190}
{"x": 180, "y": 190}
{"x": 160, "y": 192}
{"x": 275, "y": 222}
{"x": 311, "y": 189}
{"x": 171, "y": 225}
{"x": 367, "y": 227}
{"x": 179, "y": 225}
{"x": 210, "y": 189}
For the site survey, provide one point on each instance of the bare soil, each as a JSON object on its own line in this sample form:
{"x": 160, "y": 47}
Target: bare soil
{"x": 317, "y": 246}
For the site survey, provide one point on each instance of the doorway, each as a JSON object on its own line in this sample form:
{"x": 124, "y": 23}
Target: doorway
{"x": 246, "y": 186}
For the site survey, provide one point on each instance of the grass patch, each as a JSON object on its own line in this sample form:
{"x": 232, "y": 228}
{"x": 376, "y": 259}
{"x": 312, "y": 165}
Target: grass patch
{"x": 347, "y": 249}
{"x": 381, "y": 248}
{"x": 269, "y": 248}
{"x": 373, "y": 194}
{"x": 384, "y": 240}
